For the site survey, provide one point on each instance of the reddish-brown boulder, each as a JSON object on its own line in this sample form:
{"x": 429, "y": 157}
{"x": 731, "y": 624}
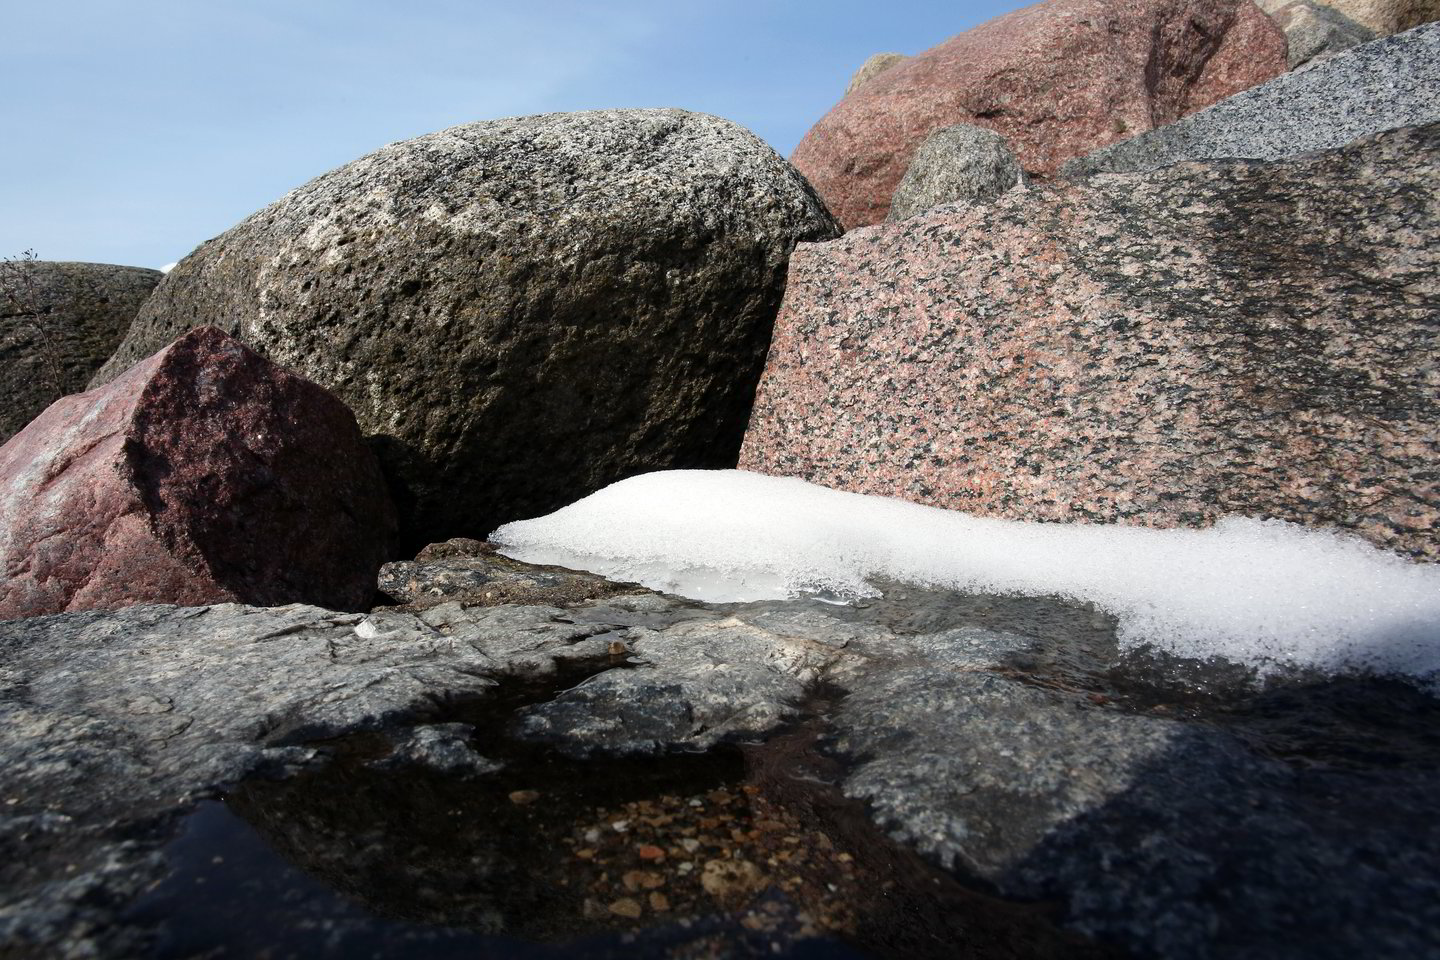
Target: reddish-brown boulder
{"x": 1057, "y": 80}
{"x": 204, "y": 474}
{"x": 1214, "y": 338}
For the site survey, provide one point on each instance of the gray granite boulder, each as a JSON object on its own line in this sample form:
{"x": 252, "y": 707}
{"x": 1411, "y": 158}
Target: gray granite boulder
{"x": 519, "y": 311}
{"x": 1383, "y": 85}
{"x": 1164, "y": 349}
{"x": 59, "y": 322}
{"x": 871, "y": 68}
{"x": 956, "y": 164}
{"x": 1314, "y": 31}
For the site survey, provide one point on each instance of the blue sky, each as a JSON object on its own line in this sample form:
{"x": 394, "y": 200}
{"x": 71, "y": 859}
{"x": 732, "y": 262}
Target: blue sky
{"x": 137, "y": 130}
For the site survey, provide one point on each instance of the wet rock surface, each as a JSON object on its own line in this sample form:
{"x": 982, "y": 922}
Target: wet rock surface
{"x": 1383, "y": 85}
{"x": 204, "y": 474}
{"x": 518, "y": 311}
{"x": 671, "y": 778}
{"x": 59, "y": 321}
{"x": 1214, "y": 338}
{"x": 472, "y": 573}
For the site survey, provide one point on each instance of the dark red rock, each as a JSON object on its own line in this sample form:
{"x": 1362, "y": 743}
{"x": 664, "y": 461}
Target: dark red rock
{"x": 1057, "y": 80}
{"x": 1214, "y": 338}
{"x": 204, "y": 474}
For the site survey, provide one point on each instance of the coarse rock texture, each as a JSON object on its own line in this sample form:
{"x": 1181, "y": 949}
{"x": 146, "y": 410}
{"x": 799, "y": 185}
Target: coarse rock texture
{"x": 1160, "y": 349}
{"x": 204, "y": 474}
{"x": 1116, "y": 812}
{"x": 954, "y": 164}
{"x": 1002, "y": 737}
{"x": 1388, "y": 16}
{"x": 472, "y": 573}
{"x": 519, "y": 311}
{"x": 1056, "y": 79}
{"x": 1384, "y": 85}
{"x": 58, "y": 323}
{"x": 873, "y": 66}
{"x": 442, "y": 747}
{"x": 1313, "y": 31}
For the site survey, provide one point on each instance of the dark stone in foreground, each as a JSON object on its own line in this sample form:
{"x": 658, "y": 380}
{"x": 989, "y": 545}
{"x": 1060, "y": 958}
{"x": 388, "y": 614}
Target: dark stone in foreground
{"x": 1228, "y": 337}
{"x": 1004, "y": 738}
{"x": 1388, "y": 83}
{"x": 471, "y": 573}
{"x": 58, "y": 323}
{"x": 519, "y": 311}
{"x": 204, "y": 474}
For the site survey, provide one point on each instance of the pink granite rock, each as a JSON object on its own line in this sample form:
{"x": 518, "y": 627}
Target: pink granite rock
{"x": 1226, "y": 337}
{"x": 1057, "y": 80}
{"x": 204, "y": 474}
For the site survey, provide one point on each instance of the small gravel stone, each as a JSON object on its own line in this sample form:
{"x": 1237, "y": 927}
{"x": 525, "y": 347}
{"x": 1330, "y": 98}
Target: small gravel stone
{"x": 627, "y": 907}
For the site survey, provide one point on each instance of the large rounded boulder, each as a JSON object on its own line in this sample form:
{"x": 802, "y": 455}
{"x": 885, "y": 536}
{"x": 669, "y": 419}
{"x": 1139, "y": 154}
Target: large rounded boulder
{"x": 519, "y": 311}
{"x": 1057, "y": 80}
{"x": 59, "y": 322}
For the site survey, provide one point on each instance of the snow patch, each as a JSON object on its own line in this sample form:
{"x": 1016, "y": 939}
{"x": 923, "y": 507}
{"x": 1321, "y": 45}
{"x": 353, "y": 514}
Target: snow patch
{"x": 169, "y": 266}
{"x": 1262, "y": 592}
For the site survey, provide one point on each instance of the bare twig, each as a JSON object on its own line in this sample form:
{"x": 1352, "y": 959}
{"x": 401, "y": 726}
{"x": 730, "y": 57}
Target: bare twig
{"x": 23, "y": 303}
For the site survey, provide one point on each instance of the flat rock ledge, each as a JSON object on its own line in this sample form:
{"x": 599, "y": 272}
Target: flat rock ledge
{"x": 957, "y": 720}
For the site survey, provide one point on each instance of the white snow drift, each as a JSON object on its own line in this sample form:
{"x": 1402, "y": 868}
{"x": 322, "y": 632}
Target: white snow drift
{"x": 1263, "y": 592}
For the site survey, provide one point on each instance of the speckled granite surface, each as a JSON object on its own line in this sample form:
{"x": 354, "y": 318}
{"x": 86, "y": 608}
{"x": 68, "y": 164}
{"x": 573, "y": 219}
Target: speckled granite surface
{"x": 1231, "y": 337}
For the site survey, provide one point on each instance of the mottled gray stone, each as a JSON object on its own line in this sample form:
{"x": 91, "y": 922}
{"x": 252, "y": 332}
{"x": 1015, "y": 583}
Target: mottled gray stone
{"x": 58, "y": 323}
{"x": 1389, "y": 83}
{"x": 956, "y": 164}
{"x": 873, "y": 66}
{"x": 693, "y": 685}
{"x": 472, "y": 573}
{"x": 1314, "y": 31}
{"x": 1174, "y": 839}
{"x": 519, "y": 311}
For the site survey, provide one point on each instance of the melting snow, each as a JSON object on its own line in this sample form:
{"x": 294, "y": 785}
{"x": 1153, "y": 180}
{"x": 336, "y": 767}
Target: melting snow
{"x": 1263, "y": 592}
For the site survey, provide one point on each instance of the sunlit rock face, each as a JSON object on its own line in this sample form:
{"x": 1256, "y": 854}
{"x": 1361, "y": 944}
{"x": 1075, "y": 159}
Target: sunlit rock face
{"x": 1388, "y": 16}
{"x": 1314, "y": 31}
{"x": 1377, "y": 86}
{"x": 519, "y": 311}
{"x": 1162, "y": 349}
{"x": 204, "y": 474}
{"x": 1055, "y": 79}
